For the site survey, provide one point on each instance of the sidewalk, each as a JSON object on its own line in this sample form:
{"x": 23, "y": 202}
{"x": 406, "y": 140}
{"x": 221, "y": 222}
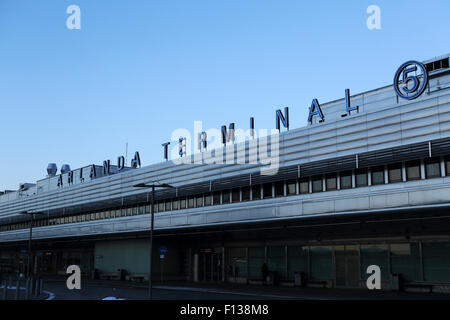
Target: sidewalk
{"x": 272, "y": 292}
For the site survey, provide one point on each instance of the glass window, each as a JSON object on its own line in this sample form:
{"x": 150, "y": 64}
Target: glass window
{"x": 208, "y": 199}
{"x": 256, "y": 192}
{"x": 160, "y": 206}
{"x": 117, "y": 213}
{"x": 141, "y": 210}
{"x": 107, "y": 214}
{"x": 304, "y": 185}
{"x": 432, "y": 167}
{"x": 267, "y": 190}
{"x": 238, "y": 262}
{"x": 405, "y": 260}
{"x": 297, "y": 260}
{"x": 245, "y": 193}
{"x": 412, "y": 170}
{"x": 83, "y": 218}
{"x": 377, "y": 174}
{"x": 331, "y": 182}
{"x": 235, "y": 195}
{"x": 183, "y": 203}
{"x": 346, "y": 180}
{"x": 361, "y": 178}
{"x": 93, "y": 216}
{"x": 447, "y": 165}
{"x": 317, "y": 185}
{"x": 291, "y": 186}
{"x": 190, "y": 202}
{"x": 129, "y": 211}
{"x": 167, "y": 205}
{"x": 216, "y": 198}
{"x": 279, "y": 189}
{"x": 276, "y": 260}
{"x": 199, "y": 201}
{"x": 321, "y": 259}
{"x": 256, "y": 257}
{"x": 225, "y": 196}
{"x": 436, "y": 261}
{"x": 395, "y": 173}
{"x": 175, "y": 204}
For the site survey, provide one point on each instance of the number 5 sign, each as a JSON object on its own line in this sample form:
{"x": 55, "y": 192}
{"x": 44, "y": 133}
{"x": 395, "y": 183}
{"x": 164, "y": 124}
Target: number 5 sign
{"x": 410, "y": 86}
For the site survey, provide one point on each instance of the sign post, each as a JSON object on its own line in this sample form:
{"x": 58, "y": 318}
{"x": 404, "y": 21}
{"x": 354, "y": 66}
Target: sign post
{"x": 162, "y": 253}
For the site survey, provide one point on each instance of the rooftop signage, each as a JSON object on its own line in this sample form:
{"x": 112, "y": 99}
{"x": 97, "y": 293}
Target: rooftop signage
{"x": 410, "y": 81}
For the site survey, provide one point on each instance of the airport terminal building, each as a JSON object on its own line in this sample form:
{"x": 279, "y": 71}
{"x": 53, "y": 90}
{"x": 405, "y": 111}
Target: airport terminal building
{"x": 366, "y": 182}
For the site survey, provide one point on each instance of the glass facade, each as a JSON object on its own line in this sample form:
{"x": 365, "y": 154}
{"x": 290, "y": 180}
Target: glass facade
{"x": 395, "y": 173}
{"x": 276, "y": 260}
{"x": 436, "y": 261}
{"x": 346, "y": 180}
{"x": 321, "y": 259}
{"x": 405, "y": 260}
{"x": 377, "y": 175}
{"x": 297, "y": 260}
{"x": 317, "y": 184}
{"x": 361, "y": 178}
{"x": 256, "y": 259}
{"x": 412, "y": 170}
{"x": 432, "y": 168}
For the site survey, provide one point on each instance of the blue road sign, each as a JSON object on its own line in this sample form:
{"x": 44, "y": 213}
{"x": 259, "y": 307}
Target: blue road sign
{"x": 162, "y": 250}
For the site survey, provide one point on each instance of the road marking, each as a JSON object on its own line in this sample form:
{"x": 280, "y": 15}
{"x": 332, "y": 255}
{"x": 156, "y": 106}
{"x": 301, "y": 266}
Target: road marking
{"x": 51, "y": 295}
{"x": 225, "y": 292}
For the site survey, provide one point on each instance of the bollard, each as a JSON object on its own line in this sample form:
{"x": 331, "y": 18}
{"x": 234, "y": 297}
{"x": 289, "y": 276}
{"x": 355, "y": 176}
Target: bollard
{"x": 41, "y": 286}
{"x": 4, "y": 290}
{"x": 32, "y": 286}
{"x": 27, "y": 290}
{"x": 36, "y": 288}
{"x": 16, "y": 297}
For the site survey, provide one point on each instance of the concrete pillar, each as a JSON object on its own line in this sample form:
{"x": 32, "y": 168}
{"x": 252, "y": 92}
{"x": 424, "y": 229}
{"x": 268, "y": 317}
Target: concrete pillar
{"x": 195, "y": 267}
{"x": 223, "y": 264}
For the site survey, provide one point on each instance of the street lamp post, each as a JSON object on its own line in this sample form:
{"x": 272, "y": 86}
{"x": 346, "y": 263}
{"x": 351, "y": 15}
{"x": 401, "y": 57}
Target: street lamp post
{"x": 152, "y": 211}
{"x": 30, "y": 256}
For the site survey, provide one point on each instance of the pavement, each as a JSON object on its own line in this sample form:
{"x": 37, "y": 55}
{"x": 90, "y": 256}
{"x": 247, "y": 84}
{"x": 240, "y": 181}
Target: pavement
{"x": 182, "y": 290}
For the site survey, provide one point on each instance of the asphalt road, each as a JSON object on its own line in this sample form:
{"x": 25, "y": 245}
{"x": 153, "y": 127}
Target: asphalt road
{"x": 100, "y": 292}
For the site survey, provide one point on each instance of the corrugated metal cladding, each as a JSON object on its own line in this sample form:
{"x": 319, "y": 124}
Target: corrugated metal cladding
{"x": 386, "y": 129}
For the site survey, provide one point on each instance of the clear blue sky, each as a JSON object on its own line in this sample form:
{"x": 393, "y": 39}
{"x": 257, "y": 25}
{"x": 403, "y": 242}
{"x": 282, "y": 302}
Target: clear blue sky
{"x": 137, "y": 70}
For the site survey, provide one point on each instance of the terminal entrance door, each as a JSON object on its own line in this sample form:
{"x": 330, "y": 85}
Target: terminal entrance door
{"x": 347, "y": 268}
{"x": 210, "y": 265}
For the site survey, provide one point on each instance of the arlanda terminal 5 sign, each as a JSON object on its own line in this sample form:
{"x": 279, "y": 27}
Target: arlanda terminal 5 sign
{"x": 410, "y": 81}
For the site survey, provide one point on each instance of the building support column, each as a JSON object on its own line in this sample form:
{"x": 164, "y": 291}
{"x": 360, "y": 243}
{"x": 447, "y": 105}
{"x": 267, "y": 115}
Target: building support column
{"x": 195, "y": 267}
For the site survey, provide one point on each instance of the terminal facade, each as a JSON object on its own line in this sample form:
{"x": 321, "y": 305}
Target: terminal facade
{"x": 361, "y": 187}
